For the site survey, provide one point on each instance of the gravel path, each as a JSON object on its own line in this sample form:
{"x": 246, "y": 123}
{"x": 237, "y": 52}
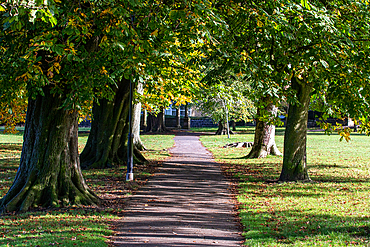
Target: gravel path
{"x": 187, "y": 203}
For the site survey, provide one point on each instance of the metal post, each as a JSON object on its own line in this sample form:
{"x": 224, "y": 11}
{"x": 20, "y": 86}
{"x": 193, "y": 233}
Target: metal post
{"x": 227, "y": 122}
{"x": 130, "y": 144}
{"x": 130, "y": 141}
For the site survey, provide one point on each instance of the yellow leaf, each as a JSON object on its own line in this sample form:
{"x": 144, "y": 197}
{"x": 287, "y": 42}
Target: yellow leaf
{"x": 104, "y": 39}
{"x": 154, "y": 33}
{"x": 259, "y": 23}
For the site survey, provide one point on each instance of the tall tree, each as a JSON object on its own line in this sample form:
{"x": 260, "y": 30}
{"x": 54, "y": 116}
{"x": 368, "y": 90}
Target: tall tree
{"x": 68, "y": 54}
{"x": 51, "y": 50}
{"x": 302, "y": 47}
{"x": 226, "y": 97}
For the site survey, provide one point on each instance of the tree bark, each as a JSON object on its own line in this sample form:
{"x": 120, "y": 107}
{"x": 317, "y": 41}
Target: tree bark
{"x": 233, "y": 125}
{"x": 222, "y": 128}
{"x": 107, "y": 143}
{"x": 295, "y": 139}
{"x": 157, "y": 123}
{"x": 144, "y": 121}
{"x": 186, "y": 118}
{"x": 264, "y": 135}
{"x": 178, "y": 118}
{"x": 136, "y": 121}
{"x": 49, "y": 174}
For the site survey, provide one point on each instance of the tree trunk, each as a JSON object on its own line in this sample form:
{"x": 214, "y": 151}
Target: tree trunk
{"x": 186, "y": 118}
{"x": 144, "y": 121}
{"x": 295, "y": 139}
{"x": 233, "y": 125}
{"x": 107, "y": 142}
{"x": 136, "y": 121}
{"x": 49, "y": 174}
{"x": 222, "y": 128}
{"x": 264, "y": 135}
{"x": 157, "y": 123}
{"x": 178, "y": 118}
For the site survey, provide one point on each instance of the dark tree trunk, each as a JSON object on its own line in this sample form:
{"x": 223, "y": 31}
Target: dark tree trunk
{"x": 295, "y": 139}
{"x": 49, "y": 174}
{"x": 107, "y": 142}
{"x": 156, "y": 123}
{"x": 222, "y": 128}
{"x": 136, "y": 121}
{"x": 233, "y": 125}
{"x": 264, "y": 135}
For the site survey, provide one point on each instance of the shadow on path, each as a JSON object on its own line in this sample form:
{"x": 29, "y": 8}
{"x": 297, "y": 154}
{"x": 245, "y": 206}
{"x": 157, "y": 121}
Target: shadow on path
{"x": 187, "y": 203}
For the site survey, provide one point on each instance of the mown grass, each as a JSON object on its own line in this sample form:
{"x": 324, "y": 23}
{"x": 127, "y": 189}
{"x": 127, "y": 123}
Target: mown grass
{"x": 333, "y": 210}
{"x": 72, "y": 226}
{"x": 239, "y": 129}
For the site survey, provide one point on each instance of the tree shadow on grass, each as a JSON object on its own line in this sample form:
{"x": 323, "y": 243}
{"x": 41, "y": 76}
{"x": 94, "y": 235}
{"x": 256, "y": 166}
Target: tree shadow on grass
{"x": 7, "y": 164}
{"x": 267, "y": 224}
{"x": 4, "y": 147}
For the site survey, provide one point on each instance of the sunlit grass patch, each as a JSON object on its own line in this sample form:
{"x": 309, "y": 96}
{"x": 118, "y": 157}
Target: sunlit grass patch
{"x": 157, "y": 146}
{"x": 333, "y": 210}
{"x": 73, "y": 228}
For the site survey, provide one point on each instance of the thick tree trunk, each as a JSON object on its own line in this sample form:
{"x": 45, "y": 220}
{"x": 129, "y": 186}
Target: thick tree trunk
{"x": 107, "y": 142}
{"x": 264, "y": 135}
{"x": 136, "y": 121}
{"x": 49, "y": 174}
{"x": 222, "y": 128}
{"x": 156, "y": 123}
{"x": 295, "y": 139}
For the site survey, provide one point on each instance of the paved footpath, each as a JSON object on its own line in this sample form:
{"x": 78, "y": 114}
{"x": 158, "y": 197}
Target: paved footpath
{"x": 187, "y": 203}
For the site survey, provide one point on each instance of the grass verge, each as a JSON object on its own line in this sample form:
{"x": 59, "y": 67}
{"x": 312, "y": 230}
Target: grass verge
{"x": 333, "y": 210}
{"x": 74, "y": 226}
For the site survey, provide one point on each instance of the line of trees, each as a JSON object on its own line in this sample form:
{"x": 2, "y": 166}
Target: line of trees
{"x": 69, "y": 56}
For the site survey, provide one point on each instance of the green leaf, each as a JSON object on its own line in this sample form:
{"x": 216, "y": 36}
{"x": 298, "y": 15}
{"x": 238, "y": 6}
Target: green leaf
{"x": 306, "y": 4}
{"x": 324, "y": 63}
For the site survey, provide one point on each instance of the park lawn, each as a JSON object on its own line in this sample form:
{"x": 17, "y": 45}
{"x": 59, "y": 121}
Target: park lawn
{"x": 74, "y": 226}
{"x": 333, "y": 210}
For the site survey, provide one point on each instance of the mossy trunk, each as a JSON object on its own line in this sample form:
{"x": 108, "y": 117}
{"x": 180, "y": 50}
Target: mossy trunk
{"x": 106, "y": 145}
{"x": 295, "y": 139}
{"x": 264, "y": 135}
{"x": 49, "y": 174}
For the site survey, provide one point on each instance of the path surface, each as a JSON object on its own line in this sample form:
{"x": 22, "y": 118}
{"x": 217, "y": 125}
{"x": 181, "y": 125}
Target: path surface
{"x": 186, "y": 204}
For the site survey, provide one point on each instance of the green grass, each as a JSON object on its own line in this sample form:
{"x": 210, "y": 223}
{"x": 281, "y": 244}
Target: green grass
{"x": 157, "y": 146}
{"x": 72, "y": 226}
{"x": 331, "y": 211}
{"x": 239, "y": 129}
